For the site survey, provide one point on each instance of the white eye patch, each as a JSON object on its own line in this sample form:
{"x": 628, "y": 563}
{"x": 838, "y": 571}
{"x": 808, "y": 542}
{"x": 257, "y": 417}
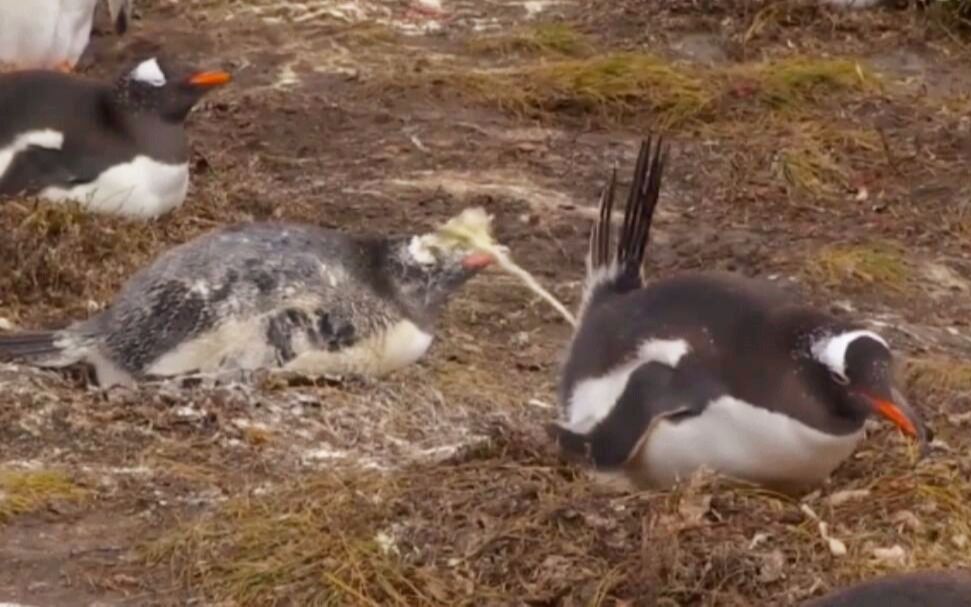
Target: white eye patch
{"x": 831, "y": 351}
{"x": 148, "y": 72}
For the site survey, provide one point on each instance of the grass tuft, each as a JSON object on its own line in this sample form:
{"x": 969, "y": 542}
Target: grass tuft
{"x": 47, "y": 252}
{"x": 545, "y": 39}
{"x": 609, "y": 85}
{"x": 937, "y": 375}
{"x": 799, "y": 81}
{"x": 23, "y": 492}
{"x": 875, "y": 263}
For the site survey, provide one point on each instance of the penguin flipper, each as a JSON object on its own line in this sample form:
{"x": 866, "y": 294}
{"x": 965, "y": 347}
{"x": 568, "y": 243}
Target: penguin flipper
{"x": 37, "y": 167}
{"x": 653, "y": 391}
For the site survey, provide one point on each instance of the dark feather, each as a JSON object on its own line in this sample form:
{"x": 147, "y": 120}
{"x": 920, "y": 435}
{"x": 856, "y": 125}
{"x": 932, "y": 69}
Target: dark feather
{"x": 28, "y": 344}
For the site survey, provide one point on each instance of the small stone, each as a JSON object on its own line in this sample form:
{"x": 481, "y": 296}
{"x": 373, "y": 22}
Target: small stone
{"x": 895, "y": 554}
{"x": 836, "y": 547}
{"x": 773, "y": 567}
{"x": 841, "y": 497}
{"x": 908, "y": 519}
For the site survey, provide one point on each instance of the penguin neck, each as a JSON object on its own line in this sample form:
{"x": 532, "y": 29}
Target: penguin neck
{"x": 154, "y": 136}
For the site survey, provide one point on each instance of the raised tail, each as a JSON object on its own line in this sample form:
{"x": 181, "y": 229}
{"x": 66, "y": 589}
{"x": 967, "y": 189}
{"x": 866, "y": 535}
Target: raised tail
{"x": 621, "y": 272}
{"x": 43, "y": 348}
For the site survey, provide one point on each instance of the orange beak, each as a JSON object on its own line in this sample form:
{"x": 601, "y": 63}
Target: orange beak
{"x": 213, "y": 78}
{"x": 477, "y": 261}
{"x": 894, "y": 414}
{"x": 903, "y": 416}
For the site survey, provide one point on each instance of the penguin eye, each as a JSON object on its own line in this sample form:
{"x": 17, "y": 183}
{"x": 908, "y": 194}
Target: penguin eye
{"x": 839, "y": 378}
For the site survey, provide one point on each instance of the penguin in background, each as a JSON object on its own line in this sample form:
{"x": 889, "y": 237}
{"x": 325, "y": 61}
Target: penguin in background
{"x": 117, "y": 148}
{"x": 52, "y": 34}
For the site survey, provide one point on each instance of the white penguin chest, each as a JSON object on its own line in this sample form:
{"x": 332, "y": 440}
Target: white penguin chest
{"x": 744, "y": 441}
{"x": 142, "y": 188}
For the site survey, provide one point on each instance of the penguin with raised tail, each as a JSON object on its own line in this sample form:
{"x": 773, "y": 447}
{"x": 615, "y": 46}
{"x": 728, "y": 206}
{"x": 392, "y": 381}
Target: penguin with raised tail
{"x": 116, "y": 148}
{"x": 712, "y": 369}
{"x": 52, "y": 34}
{"x": 267, "y": 296}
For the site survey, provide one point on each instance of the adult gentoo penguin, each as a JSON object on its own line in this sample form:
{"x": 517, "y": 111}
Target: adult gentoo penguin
{"x": 711, "y": 369}
{"x": 115, "y": 149}
{"x": 51, "y": 34}
{"x": 266, "y": 295}
{"x": 932, "y": 588}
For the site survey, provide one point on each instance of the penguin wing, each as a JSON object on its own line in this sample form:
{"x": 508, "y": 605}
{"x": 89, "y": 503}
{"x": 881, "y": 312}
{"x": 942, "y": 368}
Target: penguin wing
{"x": 38, "y": 167}
{"x": 653, "y": 391}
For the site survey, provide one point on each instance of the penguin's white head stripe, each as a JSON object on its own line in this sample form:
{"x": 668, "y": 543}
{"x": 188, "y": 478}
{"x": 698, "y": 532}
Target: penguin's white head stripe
{"x": 420, "y": 251}
{"x": 831, "y": 349}
{"x": 148, "y": 72}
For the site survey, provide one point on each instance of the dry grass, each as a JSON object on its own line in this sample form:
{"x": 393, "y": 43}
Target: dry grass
{"x": 611, "y": 86}
{"x": 544, "y": 39}
{"x": 938, "y": 375}
{"x": 55, "y": 255}
{"x": 797, "y": 82}
{"x": 877, "y": 263}
{"x": 608, "y": 86}
{"x": 26, "y": 491}
{"x": 507, "y": 523}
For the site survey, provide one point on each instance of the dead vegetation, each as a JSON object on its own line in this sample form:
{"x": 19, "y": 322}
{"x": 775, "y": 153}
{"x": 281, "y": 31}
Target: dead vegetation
{"x": 876, "y": 264}
{"x": 938, "y": 375}
{"x": 27, "y": 491}
{"x": 508, "y": 523}
{"x": 43, "y": 244}
{"x": 543, "y": 39}
{"x": 256, "y": 494}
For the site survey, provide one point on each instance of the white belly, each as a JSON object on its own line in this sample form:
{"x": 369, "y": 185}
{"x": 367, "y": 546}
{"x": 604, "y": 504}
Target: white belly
{"x": 140, "y": 189}
{"x": 746, "y": 442}
{"x": 44, "y": 33}
{"x": 243, "y": 345}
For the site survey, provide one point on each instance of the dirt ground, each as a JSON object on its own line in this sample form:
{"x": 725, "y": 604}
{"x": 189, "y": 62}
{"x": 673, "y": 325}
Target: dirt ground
{"x": 820, "y": 148}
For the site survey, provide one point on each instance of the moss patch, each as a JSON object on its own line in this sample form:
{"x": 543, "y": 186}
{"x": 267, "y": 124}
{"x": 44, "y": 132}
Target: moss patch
{"x": 877, "y": 263}
{"x": 22, "y": 492}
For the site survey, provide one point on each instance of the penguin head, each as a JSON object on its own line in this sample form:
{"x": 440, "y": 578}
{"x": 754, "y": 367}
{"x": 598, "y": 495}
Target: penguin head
{"x": 425, "y": 275}
{"x": 858, "y": 371}
{"x": 155, "y": 85}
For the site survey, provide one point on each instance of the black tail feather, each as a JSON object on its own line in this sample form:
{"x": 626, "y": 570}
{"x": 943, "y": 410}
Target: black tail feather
{"x": 639, "y": 212}
{"x": 621, "y": 272}
{"x": 28, "y": 344}
{"x": 600, "y": 234}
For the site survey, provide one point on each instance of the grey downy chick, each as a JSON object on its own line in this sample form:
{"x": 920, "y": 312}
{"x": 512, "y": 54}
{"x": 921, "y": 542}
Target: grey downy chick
{"x": 265, "y": 295}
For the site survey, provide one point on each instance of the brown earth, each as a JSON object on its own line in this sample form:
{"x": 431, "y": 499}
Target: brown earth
{"x": 437, "y": 486}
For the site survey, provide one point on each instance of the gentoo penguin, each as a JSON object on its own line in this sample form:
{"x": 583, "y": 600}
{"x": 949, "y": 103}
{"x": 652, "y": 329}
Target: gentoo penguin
{"x": 711, "y": 369}
{"x": 266, "y": 295}
{"x": 115, "y": 149}
{"x": 51, "y": 34}
{"x": 917, "y": 589}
